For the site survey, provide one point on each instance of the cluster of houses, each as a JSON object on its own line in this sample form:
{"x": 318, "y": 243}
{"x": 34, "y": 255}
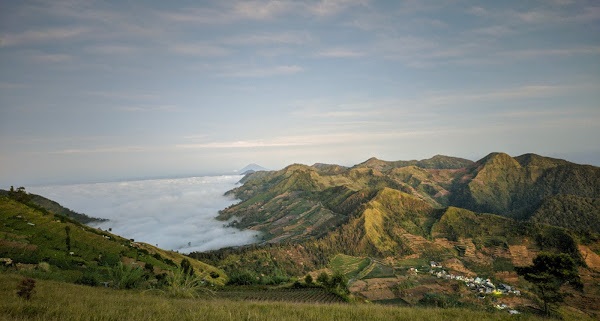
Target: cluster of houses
{"x": 477, "y": 284}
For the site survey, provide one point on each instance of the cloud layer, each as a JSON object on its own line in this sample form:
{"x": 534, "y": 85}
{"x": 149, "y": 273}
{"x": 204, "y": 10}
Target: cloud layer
{"x": 177, "y": 214}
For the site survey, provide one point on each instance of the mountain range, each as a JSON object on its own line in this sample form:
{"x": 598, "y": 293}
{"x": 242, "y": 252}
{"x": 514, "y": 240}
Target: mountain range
{"x": 308, "y": 200}
{"x": 478, "y": 218}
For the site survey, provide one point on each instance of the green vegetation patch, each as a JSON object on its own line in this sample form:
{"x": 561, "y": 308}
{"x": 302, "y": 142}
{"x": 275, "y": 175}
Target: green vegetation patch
{"x": 378, "y": 270}
{"x": 350, "y": 266}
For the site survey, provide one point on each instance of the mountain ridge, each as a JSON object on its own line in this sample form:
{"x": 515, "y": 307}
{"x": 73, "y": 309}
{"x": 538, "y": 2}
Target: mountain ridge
{"x": 498, "y": 183}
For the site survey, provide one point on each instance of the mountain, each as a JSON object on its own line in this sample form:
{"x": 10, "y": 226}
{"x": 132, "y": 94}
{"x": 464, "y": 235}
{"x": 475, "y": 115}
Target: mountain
{"x": 300, "y": 201}
{"x": 395, "y": 210}
{"x": 251, "y": 168}
{"x": 515, "y": 187}
{"x": 436, "y": 162}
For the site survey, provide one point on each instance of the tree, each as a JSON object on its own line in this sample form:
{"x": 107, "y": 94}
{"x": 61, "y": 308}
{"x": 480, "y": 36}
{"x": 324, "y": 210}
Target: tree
{"x": 323, "y": 278}
{"x": 548, "y": 273}
{"x": 308, "y": 279}
{"x": 68, "y": 239}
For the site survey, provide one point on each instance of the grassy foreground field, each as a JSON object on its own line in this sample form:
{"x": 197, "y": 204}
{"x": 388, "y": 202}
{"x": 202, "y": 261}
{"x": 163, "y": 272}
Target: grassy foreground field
{"x": 62, "y": 301}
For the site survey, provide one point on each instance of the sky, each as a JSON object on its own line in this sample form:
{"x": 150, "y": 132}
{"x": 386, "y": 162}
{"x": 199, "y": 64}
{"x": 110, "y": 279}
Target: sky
{"x": 174, "y": 214}
{"x": 107, "y": 90}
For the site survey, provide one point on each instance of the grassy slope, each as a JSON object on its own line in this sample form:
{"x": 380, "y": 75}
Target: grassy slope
{"x": 65, "y": 302}
{"x": 56, "y": 208}
{"x": 504, "y": 185}
{"x": 45, "y": 240}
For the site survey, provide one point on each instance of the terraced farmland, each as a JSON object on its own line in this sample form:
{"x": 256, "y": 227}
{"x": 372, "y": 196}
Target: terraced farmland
{"x": 307, "y": 295}
{"x": 351, "y": 266}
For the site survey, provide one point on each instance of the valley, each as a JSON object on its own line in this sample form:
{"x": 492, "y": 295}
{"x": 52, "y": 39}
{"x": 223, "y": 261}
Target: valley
{"x": 411, "y": 234}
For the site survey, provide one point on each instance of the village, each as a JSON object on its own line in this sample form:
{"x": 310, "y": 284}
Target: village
{"x": 478, "y": 285}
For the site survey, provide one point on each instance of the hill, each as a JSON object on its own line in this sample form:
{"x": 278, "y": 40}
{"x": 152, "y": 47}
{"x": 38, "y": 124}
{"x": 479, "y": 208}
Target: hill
{"x": 54, "y": 246}
{"x": 515, "y": 187}
{"x": 48, "y": 205}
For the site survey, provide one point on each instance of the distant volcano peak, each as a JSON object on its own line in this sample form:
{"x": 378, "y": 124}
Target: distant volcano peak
{"x": 251, "y": 168}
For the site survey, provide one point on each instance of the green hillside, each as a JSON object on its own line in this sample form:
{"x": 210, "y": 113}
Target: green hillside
{"x": 581, "y": 214}
{"x": 54, "y": 246}
{"x": 515, "y": 187}
{"x": 48, "y": 205}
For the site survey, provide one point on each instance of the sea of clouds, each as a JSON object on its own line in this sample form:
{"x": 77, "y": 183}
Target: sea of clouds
{"x": 175, "y": 214}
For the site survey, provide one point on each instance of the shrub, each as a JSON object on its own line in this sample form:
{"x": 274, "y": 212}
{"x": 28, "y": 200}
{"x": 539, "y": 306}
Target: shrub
{"x": 308, "y": 279}
{"x": 243, "y": 277}
{"x": 126, "y": 277}
{"x": 26, "y": 288}
{"x": 182, "y": 284}
{"x": 44, "y": 266}
{"x": 88, "y": 278}
{"x": 323, "y": 278}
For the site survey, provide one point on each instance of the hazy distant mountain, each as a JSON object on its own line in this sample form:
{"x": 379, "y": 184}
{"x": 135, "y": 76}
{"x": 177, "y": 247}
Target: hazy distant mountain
{"x": 251, "y": 168}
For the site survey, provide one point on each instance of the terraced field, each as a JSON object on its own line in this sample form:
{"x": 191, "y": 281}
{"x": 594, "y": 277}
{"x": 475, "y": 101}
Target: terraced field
{"x": 350, "y": 266}
{"x": 308, "y": 295}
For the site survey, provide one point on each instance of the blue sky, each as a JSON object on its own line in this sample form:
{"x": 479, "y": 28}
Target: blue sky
{"x": 96, "y": 91}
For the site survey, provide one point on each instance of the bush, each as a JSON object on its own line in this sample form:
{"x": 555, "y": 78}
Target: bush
{"x": 323, "y": 278}
{"x": 126, "y": 277}
{"x": 90, "y": 279}
{"x": 182, "y": 284}
{"x": 44, "y": 266}
{"x": 26, "y": 288}
{"x": 308, "y": 279}
{"x": 243, "y": 277}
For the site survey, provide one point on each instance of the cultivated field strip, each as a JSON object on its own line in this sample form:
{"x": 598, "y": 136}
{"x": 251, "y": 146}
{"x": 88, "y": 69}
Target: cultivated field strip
{"x": 311, "y": 295}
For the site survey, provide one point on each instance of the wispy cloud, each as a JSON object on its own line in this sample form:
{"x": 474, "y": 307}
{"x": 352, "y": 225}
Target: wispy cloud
{"x": 537, "y": 53}
{"x": 130, "y": 95}
{"x": 111, "y": 49}
{"x": 283, "y": 142}
{"x": 269, "y": 38}
{"x": 200, "y": 49}
{"x": 160, "y": 108}
{"x": 102, "y": 150}
{"x": 332, "y": 7}
{"x": 527, "y": 91}
{"x": 50, "y": 58}
{"x": 340, "y": 53}
{"x": 259, "y": 10}
{"x": 259, "y": 72}
{"x": 48, "y": 35}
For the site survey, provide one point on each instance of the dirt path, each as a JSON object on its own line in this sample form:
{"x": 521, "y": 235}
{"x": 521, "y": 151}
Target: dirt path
{"x": 591, "y": 259}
